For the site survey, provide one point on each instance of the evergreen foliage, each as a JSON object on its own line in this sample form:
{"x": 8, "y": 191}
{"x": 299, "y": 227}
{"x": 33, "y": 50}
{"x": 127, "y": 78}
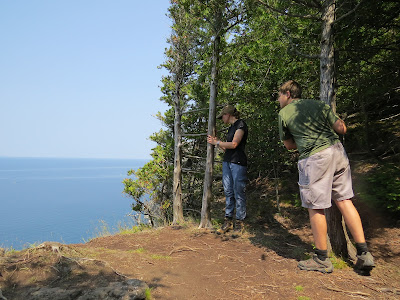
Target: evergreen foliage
{"x": 383, "y": 190}
{"x": 265, "y": 43}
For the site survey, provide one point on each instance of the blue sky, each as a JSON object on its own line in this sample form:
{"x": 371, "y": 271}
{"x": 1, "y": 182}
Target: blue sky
{"x": 80, "y": 78}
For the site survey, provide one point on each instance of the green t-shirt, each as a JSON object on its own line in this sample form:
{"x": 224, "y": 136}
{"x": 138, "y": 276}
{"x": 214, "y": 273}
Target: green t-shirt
{"x": 309, "y": 123}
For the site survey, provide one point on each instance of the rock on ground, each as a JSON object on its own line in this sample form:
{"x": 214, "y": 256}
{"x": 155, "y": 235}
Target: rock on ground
{"x": 132, "y": 289}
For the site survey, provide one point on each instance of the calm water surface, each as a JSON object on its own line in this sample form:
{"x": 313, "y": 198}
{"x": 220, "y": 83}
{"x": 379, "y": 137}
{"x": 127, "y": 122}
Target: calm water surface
{"x": 64, "y": 200}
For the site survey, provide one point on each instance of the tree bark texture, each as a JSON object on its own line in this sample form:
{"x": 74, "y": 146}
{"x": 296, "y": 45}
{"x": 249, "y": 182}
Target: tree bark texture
{"x": 336, "y": 233}
{"x": 338, "y": 238}
{"x": 327, "y": 61}
{"x": 177, "y": 184}
{"x": 208, "y": 176}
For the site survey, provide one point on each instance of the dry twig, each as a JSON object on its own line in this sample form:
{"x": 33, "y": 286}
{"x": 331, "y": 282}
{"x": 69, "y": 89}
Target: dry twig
{"x": 180, "y": 249}
{"x": 344, "y": 291}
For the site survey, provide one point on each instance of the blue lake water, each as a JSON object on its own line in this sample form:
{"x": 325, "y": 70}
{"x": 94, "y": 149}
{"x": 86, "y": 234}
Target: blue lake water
{"x": 64, "y": 200}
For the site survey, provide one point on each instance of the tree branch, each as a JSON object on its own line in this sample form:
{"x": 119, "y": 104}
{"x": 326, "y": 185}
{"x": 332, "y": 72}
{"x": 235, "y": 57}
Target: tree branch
{"x": 194, "y": 110}
{"x": 193, "y": 156}
{"x": 265, "y": 77}
{"x": 317, "y": 4}
{"x": 194, "y": 134}
{"x": 293, "y": 46}
{"x": 312, "y": 17}
{"x": 388, "y": 118}
{"x": 238, "y": 20}
{"x": 348, "y": 13}
{"x": 184, "y": 170}
{"x": 314, "y": 4}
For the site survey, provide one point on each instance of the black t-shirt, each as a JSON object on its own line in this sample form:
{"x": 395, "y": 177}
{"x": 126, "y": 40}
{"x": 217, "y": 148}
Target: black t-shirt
{"x": 237, "y": 155}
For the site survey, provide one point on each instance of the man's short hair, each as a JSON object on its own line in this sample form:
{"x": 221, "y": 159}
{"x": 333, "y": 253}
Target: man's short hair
{"x": 291, "y": 86}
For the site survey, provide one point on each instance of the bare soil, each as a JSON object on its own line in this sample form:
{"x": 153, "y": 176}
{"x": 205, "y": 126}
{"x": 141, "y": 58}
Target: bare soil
{"x": 187, "y": 263}
{"x": 190, "y": 263}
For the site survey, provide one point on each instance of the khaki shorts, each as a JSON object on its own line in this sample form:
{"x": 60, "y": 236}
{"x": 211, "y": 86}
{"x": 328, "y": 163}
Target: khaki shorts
{"x": 325, "y": 176}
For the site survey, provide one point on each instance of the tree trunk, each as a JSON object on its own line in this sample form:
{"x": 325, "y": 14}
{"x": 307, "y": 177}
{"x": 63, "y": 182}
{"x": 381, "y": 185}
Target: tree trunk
{"x": 177, "y": 185}
{"x": 338, "y": 239}
{"x": 208, "y": 176}
{"x": 327, "y": 61}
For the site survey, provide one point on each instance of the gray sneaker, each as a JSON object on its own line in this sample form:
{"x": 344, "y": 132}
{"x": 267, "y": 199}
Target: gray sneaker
{"x": 315, "y": 264}
{"x": 365, "y": 262}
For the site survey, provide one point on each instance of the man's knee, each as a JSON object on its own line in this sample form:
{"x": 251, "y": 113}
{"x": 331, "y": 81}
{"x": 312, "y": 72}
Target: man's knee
{"x": 344, "y": 205}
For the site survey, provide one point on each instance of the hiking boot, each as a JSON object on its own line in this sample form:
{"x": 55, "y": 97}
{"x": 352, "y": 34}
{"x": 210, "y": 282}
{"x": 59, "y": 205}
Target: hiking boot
{"x": 227, "y": 226}
{"x": 239, "y": 226}
{"x": 315, "y": 264}
{"x": 365, "y": 262}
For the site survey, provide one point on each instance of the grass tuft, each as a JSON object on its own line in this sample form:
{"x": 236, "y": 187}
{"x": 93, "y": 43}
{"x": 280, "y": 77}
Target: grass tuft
{"x": 148, "y": 294}
{"x": 338, "y": 262}
{"x": 299, "y": 288}
{"x": 138, "y": 250}
{"x": 157, "y": 256}
{"x": 133, "y": 229}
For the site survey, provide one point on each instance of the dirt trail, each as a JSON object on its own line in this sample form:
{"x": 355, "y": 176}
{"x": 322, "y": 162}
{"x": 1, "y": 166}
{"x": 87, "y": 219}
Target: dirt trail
{"x": 192, "y": 264}
{"x": 187, "y": 263}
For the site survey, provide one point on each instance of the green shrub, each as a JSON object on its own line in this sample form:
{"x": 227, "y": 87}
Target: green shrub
{"x": 383, "y": 190}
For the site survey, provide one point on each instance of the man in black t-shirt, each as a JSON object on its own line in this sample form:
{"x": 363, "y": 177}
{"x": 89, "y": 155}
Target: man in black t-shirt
{"x": 234, "y": 167}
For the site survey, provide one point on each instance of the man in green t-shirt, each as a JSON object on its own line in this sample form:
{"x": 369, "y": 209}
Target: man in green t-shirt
{"x": 324, "y": 171}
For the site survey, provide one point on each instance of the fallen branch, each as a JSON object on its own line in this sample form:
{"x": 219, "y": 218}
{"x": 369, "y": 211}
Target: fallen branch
{"x": 230, "y": 257}
{"x": 344, "y": 291}
{"x": 180, "y": 249}
{"x": 240, "y": 277}
{"x": 269, "y": 285}
{"x": 263, "y": 292}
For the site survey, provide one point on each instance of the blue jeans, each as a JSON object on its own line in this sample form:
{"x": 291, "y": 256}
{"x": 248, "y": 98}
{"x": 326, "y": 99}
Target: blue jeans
{"x": 234, "y": 179}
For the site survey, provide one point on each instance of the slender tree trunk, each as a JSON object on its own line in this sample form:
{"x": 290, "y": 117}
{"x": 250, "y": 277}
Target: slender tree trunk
{"x": 327, "y": 61}
{"x": 177, "y": 185}
{"x": 208, "y": 177}
{"x": 337, "y": 234}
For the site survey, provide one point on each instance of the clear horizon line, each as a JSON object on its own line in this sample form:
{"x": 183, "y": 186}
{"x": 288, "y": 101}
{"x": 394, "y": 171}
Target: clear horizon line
{"x": 69, "y": 157}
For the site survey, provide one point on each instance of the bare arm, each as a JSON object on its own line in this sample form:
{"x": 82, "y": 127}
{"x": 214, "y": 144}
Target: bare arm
{"x": 290, "y": 144}
{"x": 237, "y": 138}
{"x": 214, "y": 141}
{"x": 340, "y": 127}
